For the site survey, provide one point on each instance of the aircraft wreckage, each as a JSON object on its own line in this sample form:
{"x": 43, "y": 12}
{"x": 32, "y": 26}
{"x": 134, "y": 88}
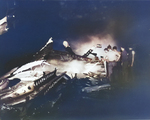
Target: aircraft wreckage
{"x": 6, "y": 23}
{"x": 47, "y": 69}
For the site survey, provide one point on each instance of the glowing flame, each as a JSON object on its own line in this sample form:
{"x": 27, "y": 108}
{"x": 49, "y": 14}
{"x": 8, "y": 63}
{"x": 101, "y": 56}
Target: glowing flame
{"x": 80, "y": 47}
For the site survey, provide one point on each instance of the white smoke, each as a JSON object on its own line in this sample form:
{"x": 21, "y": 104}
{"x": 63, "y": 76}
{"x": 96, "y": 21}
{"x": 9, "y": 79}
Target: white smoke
{"x": 72, "y": 67}
{"x": 82, "y": 45}
{"x": 78, "y": 67}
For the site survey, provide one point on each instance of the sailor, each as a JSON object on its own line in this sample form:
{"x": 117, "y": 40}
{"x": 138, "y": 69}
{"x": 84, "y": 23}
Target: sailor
{"x": 117, "y": 53}
{"x": 117, "y": 67}
{"x": 104, "y": 58}
{"x": 105, "y": 54}
{"x": 109, "y": 47}
{"x": 68, "y": 48}
{"x": 124, "y": 63}
{"x": 124, "y": 57}
{"x": 131, "y": 54}
{"x": 111, "y": 57}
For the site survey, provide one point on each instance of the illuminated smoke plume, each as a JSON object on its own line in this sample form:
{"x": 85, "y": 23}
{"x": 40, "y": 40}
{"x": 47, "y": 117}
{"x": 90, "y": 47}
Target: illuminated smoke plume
{"x": 82, "y": 45}
{"x": 79, "y": 67}
{"x": 72, "y": 67}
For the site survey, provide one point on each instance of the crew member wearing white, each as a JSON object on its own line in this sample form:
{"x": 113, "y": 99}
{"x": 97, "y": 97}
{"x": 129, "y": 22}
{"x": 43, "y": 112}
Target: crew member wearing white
{"x": 111, "y": 57}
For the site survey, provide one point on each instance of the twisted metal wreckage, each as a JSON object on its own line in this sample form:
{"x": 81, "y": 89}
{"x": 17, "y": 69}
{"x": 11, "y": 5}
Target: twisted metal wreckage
{"x": 40, "y": 75}
{"x": 6, "y": 23}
